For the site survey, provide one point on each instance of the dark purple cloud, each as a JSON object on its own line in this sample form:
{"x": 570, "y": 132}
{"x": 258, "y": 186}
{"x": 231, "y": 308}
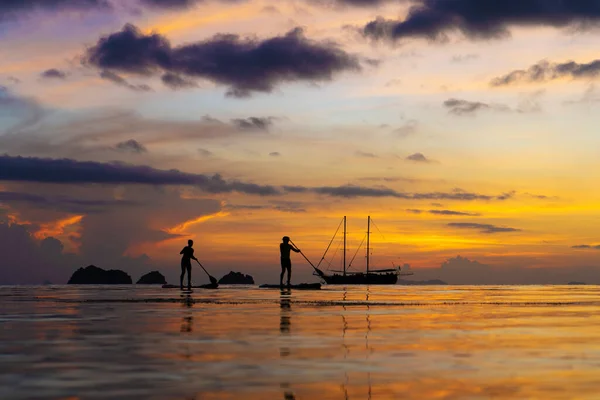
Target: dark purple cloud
{"x": 176, "y": 82}
{"x": 545, "y": 71}
{"x": 131, "y": 146}
{"x": 66, "y": 171}
{"x": 253, "y": 123}
{"x": 174, "y": 4}
{"x": 444, "y": 212}
{"x": 53, "y": 73}
{"x": 354, "y": 191}
{"x": 466, "y": 107}
{"x": 477, "y": 19}
{"x": 243, "y": 65}
{"x": 120, "y": 81}
{"x": 482, "y": 228}
{"x": 586, "y": 247}
{"x": 13, "y": 8}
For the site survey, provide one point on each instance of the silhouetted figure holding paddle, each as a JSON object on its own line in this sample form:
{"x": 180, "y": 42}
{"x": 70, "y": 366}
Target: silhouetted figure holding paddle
{"x": 186, "y": 264}
{"x": 286, "y": 262}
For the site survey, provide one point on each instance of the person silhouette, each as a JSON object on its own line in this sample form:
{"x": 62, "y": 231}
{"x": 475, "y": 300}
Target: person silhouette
{"x": 186, "y": 263}
{"x": 286, "y": 262}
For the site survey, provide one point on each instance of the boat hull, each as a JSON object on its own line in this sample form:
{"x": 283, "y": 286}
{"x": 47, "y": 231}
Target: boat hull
{"x": 361, "y": 279}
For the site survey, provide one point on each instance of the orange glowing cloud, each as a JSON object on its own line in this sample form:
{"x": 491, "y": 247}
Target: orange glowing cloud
{"x": 59, "y": 229}
{"x": 183, "y": 227}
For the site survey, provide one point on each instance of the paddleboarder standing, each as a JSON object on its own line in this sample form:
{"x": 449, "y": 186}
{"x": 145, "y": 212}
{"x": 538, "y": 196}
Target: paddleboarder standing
{"x": 286, "y": 262}
{"x": 186, "y": 264}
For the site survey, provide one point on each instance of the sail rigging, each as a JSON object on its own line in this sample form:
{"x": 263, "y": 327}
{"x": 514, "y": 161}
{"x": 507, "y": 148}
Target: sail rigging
{"x": 370, "y": 276}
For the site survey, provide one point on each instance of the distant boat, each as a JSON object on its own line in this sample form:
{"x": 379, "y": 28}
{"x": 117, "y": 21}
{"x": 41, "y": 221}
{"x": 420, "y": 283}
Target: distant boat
{"x": 387, "y": 276}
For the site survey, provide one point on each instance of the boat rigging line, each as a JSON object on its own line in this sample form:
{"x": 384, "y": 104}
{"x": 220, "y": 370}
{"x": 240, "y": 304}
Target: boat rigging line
{"x": 327, "y": 249}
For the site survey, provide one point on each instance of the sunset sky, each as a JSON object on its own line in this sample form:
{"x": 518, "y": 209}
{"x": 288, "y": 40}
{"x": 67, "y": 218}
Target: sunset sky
{"x": 463, "y": 127}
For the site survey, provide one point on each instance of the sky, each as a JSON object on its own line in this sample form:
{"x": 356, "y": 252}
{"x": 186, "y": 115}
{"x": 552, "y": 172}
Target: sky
{"x": 466, "y": 129}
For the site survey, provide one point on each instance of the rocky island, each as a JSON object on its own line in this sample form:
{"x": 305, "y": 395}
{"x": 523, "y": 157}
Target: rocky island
{"x": 92, "y": 275}
{"x": 152, "y": 278}
{"x": 236, "y": 278}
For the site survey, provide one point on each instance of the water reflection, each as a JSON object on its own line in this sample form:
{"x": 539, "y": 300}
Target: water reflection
{"x": 333, "y": 344}
{"x": 368, "y": 349}
{"x": 188, "y": 318}
{"x": 285, "y": 323}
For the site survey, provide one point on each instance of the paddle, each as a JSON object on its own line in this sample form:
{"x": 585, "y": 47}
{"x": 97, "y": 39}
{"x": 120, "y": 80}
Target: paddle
{"x": 317, "y": 270}
{"x": 213, "y": 280}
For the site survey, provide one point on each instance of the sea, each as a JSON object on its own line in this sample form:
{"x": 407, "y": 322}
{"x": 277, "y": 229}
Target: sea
{"x": 243, "y": 342}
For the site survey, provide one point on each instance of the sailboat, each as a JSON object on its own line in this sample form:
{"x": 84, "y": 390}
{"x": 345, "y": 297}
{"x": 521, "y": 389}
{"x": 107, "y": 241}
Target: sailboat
{"x": 369, "y": 277}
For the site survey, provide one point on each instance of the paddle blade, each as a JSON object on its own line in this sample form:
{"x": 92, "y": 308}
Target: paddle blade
{"x": 213, "y": 280}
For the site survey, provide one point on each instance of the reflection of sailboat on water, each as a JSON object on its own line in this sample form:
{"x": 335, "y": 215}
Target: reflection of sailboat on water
{"x": 367, "y": 348}
{"x": 387, "y": 276}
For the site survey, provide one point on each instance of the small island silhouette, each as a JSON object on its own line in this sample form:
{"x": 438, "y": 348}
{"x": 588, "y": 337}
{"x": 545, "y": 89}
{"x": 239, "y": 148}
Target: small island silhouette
{"x": 152, "y": 278}
{"x": 236, "y": 278}
{"x": 92, "y": 275}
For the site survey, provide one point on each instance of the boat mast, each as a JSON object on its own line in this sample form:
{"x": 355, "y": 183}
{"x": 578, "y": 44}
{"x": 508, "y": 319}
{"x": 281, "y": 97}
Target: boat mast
{"x": 368, "y": 231}
{"x": 344, "y": 245}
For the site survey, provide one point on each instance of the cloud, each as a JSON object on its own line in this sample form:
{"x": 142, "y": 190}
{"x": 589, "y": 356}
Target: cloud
{"x": 170, "y": 4}
{"x": 399, "y": 179}
{"x": 53, "y": 74}
{"x": 205, "y": 153}
{"x": 541, "y": 196}
{"x": 434, "y": 19}
{"x": 27, "y": 111}
{"x": 62, "y": 203}
{"x": 253, "y": 123}
{"x": 14, "y": 80}
{"x": 444, "y": 212}
{"x": 586, "y": 247}
{"x": 283, "y": 206}
{"x": 66, "y": 171}
{"x": 13, "y": 8}
{"x": 418, "y": 157}
{"x": 243, "y": 65}
{"x": 393, "y": 82}
{"x": 590, "y": 96}
{"x": 409, "y": 128}
{"x": 354, "y": 191}
{"x": 120, "y": 81}
{"x": 462, "y": 58}
{"x": 365, "y": 154}
{"x": 131, "y": 146}
{"x": 176, "y": 82}
{"x": 545, "y": 71}
{"x": 482, "y": 228}
{"x": 464, "y": 271}
{"x": 465, "y": 107}
{"x": 275, "y": 154}
{"x": 450, "y": 212}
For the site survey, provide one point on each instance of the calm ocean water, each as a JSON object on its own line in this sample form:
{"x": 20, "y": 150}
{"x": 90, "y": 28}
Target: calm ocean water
{"x": 393, "y": 342}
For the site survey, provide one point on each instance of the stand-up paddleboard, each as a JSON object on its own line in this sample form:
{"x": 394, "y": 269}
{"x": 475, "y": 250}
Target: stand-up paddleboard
{"x": 300, "y": 286}
{"x": 207, "y": 286}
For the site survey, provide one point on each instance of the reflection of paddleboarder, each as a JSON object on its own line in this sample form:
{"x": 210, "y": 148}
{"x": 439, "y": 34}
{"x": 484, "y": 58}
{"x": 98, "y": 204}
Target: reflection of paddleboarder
{"x": 286, "y": 262}
{"x": 186, "y": 263}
